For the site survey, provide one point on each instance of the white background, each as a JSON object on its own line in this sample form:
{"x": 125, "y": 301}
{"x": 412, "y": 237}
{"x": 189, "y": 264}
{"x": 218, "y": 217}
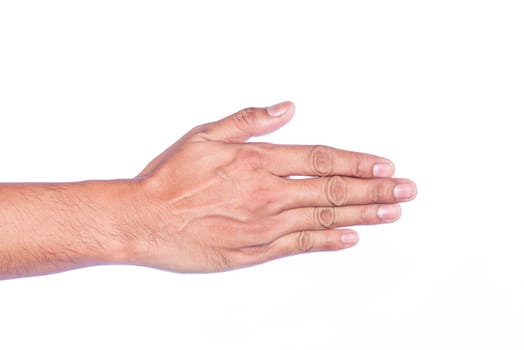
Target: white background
{"x": 95, "y": 89}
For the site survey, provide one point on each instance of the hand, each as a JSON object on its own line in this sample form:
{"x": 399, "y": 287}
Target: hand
{"x": 212, "y": 202}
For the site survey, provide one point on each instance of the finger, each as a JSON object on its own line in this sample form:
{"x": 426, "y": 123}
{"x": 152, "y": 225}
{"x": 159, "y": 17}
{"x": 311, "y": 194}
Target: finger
{"x": 249, "y": 122}
{"x": 325, "y": 218}
{"x": 340, "y": 191}
{"x": 325, "y": 161}
{"x": 307, "y": 242}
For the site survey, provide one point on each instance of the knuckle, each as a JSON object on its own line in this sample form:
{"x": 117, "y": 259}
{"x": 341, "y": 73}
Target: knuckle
{"x": 358, "y": 167}
{"x": 263, "y": 228}
{"x": 305, "y": 241}
{"x": 261, "y": 202}
{"x": 264, "y": 147}
{"x": 258, "y": 197}
{"x": 378, "y": 192}
{"x": 325, "y": 217}
{"x": 200, "y": 132}
{"x": 321, "y": 160}
{"x": 336, "y": 191}
{"x": 365, "y": 215}
{"x": 197, "y": 129}
{"x": 252, "y": 157}
{"x": 203, "y": 128}
{"x": 243, "y": 119}
{"x": 271, "y": 199}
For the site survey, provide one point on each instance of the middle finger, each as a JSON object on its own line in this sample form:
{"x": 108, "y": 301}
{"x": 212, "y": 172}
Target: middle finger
{"x": 338, "y": 191}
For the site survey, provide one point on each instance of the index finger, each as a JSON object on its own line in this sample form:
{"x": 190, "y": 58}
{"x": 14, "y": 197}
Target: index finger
{"x": 327, "y": 161}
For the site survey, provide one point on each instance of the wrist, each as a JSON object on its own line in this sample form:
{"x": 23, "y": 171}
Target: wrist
{"x": 142, "y": 223}
{"x": 114, "y": 219}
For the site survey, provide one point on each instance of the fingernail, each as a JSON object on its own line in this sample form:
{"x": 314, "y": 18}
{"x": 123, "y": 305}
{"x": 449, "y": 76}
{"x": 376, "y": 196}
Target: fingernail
{"x": 404, "y": 191}
{"x": 389, "y": 212}
{"x": 383, "y": 170}
{"x": 278, "y": 109}
{"x": 349, "y": 238}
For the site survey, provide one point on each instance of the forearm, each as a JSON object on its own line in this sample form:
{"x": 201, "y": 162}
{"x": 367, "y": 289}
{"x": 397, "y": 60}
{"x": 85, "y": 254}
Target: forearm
{"x": 47, "y": 228}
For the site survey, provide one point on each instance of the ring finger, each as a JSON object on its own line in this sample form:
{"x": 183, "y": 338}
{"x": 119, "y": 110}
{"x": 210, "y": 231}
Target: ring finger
{"x": 326, "y": 218}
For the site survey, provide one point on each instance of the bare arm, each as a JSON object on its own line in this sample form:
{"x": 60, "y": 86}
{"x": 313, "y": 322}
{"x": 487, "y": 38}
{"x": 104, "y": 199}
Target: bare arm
{"x": 210, "y": 202}
{"x": 47, "y": 228}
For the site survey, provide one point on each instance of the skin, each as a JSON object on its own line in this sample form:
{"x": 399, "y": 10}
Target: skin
{"x": 211, "y": 202}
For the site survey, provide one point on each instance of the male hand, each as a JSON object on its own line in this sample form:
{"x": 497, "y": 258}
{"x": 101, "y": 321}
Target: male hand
{"x": 212, "y": 202}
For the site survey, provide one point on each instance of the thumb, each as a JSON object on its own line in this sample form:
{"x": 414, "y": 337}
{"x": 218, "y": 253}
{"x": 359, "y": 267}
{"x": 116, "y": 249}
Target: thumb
{"x": 249, "y": 122}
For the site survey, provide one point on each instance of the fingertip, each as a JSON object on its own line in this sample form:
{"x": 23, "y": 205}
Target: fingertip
{"x": 274, "y": 117}
{"x": 405, "y": 191}
{"x": 292, "y": 108}
{"x": 384, "y": 168}
{"x": 282, "y": 109}
{"x": 389, "y": 212}
{"x": 415, "y": 189}
{"x": 349, "y": 238}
